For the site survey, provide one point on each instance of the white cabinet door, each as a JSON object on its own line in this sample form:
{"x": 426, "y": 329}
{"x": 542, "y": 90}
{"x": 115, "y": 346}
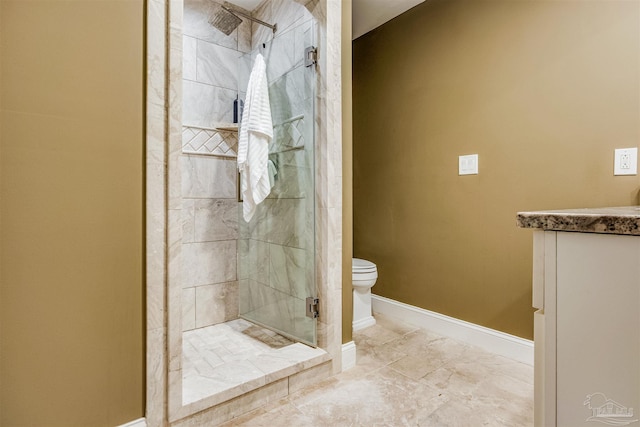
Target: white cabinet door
{"x": 597, "y": 329}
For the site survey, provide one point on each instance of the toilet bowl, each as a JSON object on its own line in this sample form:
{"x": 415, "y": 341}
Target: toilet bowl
{"x": 364, "y": 276}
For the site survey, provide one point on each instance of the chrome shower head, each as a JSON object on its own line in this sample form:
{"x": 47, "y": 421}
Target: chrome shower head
{"x": 222, "y": 19}
{"x": 226, "y": 18}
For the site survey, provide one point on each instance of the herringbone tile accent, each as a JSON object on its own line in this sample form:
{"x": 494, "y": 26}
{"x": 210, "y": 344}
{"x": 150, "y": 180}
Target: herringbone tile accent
{"x": 209, "y": 142}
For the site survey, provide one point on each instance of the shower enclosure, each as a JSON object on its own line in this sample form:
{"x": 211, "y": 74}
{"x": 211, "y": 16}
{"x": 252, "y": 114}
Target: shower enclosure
{"x": 276, "y": 249}
{"x": 264, "y": 270}
{"x": 247, "y": 289}
{"x": 207, "y": 270}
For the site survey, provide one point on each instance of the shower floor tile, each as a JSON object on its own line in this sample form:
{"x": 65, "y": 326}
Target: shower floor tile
{"x": 225, "y": 360}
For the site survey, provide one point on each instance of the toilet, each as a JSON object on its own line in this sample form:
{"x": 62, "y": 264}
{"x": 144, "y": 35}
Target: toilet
{"x": 364, "y": 276}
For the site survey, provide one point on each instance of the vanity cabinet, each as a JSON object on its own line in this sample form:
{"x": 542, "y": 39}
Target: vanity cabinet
{"x": 586, "y": 289}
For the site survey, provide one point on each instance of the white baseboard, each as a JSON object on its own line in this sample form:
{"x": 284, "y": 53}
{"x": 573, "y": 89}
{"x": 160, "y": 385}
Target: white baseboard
{"x": 497, "y": 342}
{"x": 140, "y": 422}
{"x": 348, "y": 355}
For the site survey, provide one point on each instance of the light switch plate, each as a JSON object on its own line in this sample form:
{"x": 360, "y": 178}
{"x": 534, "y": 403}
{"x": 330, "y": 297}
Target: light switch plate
{"x": 468, "y": 165}
{"x": 625, "y": 161}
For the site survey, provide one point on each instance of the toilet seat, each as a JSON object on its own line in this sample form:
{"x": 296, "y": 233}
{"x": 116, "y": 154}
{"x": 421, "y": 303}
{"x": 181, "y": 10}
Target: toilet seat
{"x": 362, "y": 266}
{"x": 364, "y": 273}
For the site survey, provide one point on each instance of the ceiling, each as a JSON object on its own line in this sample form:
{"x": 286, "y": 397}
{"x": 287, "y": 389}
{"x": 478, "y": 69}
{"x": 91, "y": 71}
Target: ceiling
{"x": 367, "y": 14}
{"x": 370, "y": 14}
{"x": 246, "y": 4}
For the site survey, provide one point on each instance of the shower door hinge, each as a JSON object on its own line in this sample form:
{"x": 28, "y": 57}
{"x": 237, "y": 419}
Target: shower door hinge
{"x": 313, "y": 309}
{"x": 310, "y": 56}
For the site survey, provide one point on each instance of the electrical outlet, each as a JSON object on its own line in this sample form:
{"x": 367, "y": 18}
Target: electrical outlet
{"x": 625, "y": 161}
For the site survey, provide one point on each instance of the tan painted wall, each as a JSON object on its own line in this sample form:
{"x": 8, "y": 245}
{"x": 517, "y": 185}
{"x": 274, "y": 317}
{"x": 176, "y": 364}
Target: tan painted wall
{"x": 71, "y": 236}
{"x": 543, "y": 91}
{"x": 347, "y": 174}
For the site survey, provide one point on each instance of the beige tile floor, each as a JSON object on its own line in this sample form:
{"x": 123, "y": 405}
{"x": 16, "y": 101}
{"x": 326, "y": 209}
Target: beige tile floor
{"x": 409, "y": 377}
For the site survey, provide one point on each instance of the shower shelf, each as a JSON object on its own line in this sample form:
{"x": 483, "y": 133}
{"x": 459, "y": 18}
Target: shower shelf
{"x": 233, "y": 127}
{"x": 286, "y": 150}
{"x": 228, "y": 128}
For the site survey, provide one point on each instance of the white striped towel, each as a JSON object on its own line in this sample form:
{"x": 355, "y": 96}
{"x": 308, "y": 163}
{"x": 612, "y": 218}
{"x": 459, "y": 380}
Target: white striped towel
{"x": 256, "y": 131}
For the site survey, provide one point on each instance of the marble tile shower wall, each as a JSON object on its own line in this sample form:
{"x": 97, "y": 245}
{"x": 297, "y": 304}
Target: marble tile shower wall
{"x": 277, "y": 257}
{"x": 210, "y": 67}
{"x": 208, "y": 164}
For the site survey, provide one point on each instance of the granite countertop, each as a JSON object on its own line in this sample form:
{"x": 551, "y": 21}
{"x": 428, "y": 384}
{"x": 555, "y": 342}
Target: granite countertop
{"x": 620, "y": 220}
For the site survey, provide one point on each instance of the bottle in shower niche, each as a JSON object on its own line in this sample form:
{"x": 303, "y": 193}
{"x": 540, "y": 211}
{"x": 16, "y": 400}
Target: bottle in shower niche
{"x": 238, "y": 106}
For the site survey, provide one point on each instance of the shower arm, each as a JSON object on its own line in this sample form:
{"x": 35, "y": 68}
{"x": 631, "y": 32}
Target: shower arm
{"x": 274, "y": 27}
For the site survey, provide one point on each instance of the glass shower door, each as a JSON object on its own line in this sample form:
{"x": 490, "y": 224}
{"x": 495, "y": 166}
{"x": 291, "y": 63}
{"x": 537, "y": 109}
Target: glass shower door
{"x": 276, "y": 249}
